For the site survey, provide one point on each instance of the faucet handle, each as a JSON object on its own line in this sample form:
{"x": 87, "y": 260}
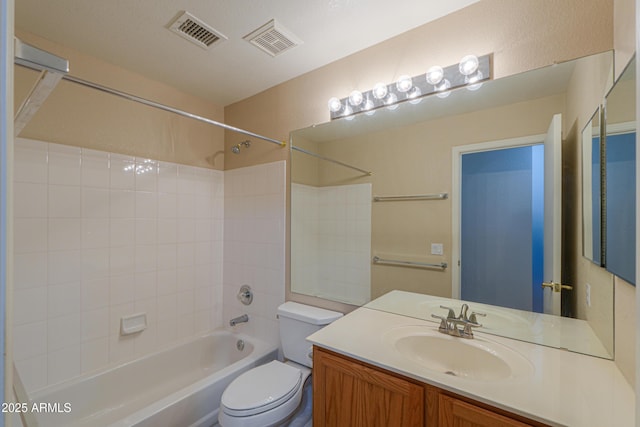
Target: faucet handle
{"x": 451, "y": 314}
{"x": 444, "y": 326}
{"x": 467, "y": 332}
{"x": 474, "y": 316}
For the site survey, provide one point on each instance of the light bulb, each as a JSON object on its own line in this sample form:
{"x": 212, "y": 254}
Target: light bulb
{"x": 355, "y": 98}
{"x": 404, "y": 83}
{"x": 443, "y": 89}
{"x": 368, "y": 107}
{"x": 414, "y": 95}
{"x": 334, "y": 105}
{"x": 468, "y": 65}
{"x": 473, "y": 81}
{"x": 391, "y": 101}
{"x": 348, "y": 112}
{"x": 380, "y": 90}
{"x": 435, "y": 75}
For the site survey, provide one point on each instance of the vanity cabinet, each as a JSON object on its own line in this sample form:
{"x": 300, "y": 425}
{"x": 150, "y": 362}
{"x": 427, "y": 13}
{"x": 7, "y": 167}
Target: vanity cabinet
{"x": 348, "y": 392}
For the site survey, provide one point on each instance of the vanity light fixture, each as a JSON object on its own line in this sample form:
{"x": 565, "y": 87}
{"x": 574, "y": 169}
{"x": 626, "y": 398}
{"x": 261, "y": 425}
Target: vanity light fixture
{"x": 470, "y": 72}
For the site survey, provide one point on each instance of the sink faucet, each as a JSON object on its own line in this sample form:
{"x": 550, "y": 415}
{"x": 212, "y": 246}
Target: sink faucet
{"x": 458, "y": 326}
{"x": 240, "y": 319}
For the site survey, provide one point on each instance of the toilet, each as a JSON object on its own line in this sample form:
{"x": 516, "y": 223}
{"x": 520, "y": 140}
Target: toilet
{"x": 278, "y": 393}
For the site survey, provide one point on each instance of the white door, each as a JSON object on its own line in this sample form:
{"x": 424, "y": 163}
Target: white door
{"x": 553, "y": 214}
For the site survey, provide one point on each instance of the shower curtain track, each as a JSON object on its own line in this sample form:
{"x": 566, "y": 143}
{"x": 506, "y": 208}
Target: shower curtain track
{"x": 34, "y": 63}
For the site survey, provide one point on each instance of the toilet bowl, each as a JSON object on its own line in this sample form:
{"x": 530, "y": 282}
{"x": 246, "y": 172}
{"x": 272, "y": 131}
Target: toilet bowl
{"x": 278, "y": 393}
{"x": 269, "y": 395}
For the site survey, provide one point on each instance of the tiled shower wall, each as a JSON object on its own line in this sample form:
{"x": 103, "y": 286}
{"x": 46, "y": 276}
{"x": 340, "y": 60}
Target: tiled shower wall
{"x": 254, "y": 246}
{"x": 99, "y": 236}
{"x": 331, "y": 241}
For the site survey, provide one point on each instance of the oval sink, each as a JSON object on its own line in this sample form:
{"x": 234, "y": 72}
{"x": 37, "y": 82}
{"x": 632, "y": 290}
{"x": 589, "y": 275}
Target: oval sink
{"x": 476, "y": 359}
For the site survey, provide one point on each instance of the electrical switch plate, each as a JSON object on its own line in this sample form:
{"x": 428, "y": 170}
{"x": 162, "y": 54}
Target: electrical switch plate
{"x": 436, "y": 249}
{"x": 588, "y": 287}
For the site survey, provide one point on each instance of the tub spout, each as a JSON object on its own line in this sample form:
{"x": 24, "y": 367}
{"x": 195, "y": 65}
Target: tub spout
{"x": 239, "y": 319}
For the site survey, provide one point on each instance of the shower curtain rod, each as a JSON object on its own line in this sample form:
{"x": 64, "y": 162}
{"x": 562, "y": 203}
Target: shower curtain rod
{"x": 302, "y": 150}
{"x": 40, "y": 60}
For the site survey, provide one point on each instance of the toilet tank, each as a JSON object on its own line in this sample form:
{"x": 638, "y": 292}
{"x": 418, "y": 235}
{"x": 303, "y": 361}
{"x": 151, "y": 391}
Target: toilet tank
{"x": 297, "y": 322}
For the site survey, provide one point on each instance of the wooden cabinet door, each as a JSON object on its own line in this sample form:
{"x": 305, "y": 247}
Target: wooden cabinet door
{"x": 350, "y": 394}
{"x": 456, "y": 413}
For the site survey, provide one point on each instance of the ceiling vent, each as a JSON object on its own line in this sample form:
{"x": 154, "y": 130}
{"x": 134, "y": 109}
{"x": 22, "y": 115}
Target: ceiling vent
{"x": 273, "y": 38}
{"x": 197, "y": 32}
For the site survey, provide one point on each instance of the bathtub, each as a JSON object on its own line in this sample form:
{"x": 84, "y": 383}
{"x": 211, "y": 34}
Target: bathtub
{"x": 177, "y": 387}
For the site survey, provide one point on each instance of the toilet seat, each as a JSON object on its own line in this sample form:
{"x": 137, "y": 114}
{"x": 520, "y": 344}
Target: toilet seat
{"x": 261, "y": 389}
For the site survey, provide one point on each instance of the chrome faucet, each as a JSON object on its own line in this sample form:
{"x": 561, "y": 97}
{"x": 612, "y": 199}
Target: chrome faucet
{"x": 450, "y": 325}
{"x": 240, "y": 319}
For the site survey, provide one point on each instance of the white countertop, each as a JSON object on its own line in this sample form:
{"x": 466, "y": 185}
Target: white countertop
{"x": 564, "y": 388}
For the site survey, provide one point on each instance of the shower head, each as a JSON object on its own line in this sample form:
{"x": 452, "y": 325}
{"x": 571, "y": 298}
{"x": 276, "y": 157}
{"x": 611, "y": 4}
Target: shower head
{"x": 236, "y": 148}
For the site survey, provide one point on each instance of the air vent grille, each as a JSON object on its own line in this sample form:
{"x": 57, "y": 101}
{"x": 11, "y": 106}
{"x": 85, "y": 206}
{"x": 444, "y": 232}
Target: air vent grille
{"x": 196, "y": 31}
{"x": 273, "y": 38}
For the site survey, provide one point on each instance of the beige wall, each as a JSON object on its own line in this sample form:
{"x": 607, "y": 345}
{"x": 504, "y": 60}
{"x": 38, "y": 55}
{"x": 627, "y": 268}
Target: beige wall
{"x": 78, "y": 116}
{"x": 521, "y": 35}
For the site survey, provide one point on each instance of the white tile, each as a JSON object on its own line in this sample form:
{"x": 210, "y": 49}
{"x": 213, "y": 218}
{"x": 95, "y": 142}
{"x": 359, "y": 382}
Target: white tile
{"x": 30, "y": 161}
{"x": 122, "y": 232}
{"x": 95, "y": 233}
{"x": 95, "y": 294}
{"x": 167, "y": 205}
{"x": 204, "y": 206}
{"x": 29, "y": 340}
{"x": 64, "y": 267}
{"x": 204, "y": 275}
{"x": 63, "y": 332}
{"x": 30, "y": 200}
{"x": 30, "y": 235}
{"x": 30, "y": 270}
{"x": 146, "y": 231}
{"x": 204, "y": 299}
{"x": 121, "y": 349}
{"x": 95, "y": 168}
{"x": 186, "y": 231}
{"x": 95, "y": 324}
{"x": 146, "y": 342}
{"x": 167, "y": 256}
{"x": 64, "y": 234}
{"x": 167, "y": 231}
{"x": 64, "y": 201}
{"x": 186, "y": 205}
{"x": 64, "y": 165}
{"x": 167, "y": 177}
{"x": 168, "y": 331}
{"x": 121, "y": 290}
{"x": 186, "y": 324}
{"x": 146, "y": 204}
{"x": 186, "y": 178}
{"x": 186, "y": 254}
{"x": 149, "y": 306}
{"x": 167, "y": 307}
{"x": 145, "y": 286}
{"x": 29, "y": 305}
{"x": 122, "y": 204}
{"x": 64, "y": 364}
{"x": 202, "y": 321}
{"x": 95, "y": 202}
{"x": 122, "y": 172}
{"x": 185, "y": 302}
{"x": 64, "y": 300}
{"x": 185, "y": 278}
{"x": 167, "y": 282}
{"x": 33, "y": 373}
{"x": 95, "y": 264}
{"x": 146, "y": 258}
{"x": 122, "y": 260}
{"x": 146, "y": 178}
{"x": 203, "y": 230}
{"x": 95, "y": 354}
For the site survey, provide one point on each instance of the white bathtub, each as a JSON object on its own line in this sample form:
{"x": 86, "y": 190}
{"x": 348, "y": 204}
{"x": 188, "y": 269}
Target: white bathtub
{"x": 178, "y": 387}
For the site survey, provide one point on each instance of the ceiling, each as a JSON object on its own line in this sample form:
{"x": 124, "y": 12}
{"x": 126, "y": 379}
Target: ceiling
{"x": 135, "y": 36}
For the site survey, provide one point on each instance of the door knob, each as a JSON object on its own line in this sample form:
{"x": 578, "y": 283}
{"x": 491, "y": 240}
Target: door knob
{"x": 556, "y": 287}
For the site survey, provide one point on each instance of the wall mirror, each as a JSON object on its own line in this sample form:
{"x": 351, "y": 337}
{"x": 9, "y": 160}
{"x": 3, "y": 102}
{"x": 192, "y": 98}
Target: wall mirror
{"x": 356, "y": 236}
{"x": 620, "y": 179}
{"x": 592, "y": 194}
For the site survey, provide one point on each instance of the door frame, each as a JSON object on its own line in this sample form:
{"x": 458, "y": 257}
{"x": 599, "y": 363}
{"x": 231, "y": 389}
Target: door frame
{"x": 456, "y": 192}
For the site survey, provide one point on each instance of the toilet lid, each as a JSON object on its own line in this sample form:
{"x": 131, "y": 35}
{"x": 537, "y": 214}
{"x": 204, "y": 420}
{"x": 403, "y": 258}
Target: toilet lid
{"x": 261, "y": 388}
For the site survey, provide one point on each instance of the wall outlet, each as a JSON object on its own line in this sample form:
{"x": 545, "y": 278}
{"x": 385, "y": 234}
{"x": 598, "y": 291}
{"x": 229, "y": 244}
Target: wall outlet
{"x": 437, "y": 249}
{"x": 588, "y": 297}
